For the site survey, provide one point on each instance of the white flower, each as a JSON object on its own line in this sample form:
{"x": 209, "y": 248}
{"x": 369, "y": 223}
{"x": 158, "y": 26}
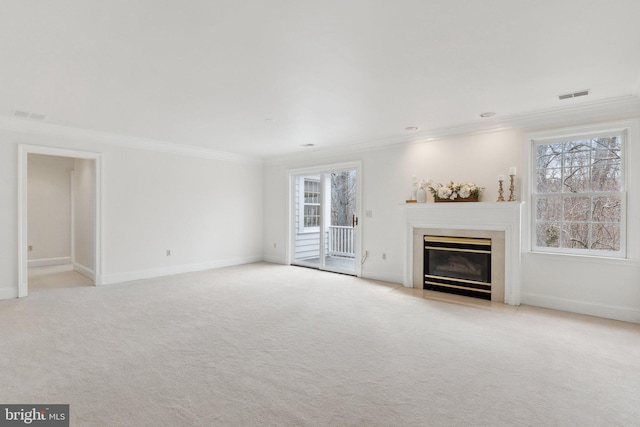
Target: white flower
{"x": 453, "y": 190}
{"x": 465, "y": 191}
{"x": 444, "y": 192}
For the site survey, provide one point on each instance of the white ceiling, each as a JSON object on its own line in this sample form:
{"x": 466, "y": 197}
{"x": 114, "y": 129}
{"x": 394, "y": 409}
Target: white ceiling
{"x": 263, "y": 77}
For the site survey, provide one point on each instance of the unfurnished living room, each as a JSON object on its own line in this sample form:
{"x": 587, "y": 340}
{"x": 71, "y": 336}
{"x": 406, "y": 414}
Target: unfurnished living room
{"x": 355, "y": 213}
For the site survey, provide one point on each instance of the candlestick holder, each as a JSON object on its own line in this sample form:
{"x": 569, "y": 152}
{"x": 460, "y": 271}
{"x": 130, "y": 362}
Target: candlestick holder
{"x": 500, "y": 192}
{"x": 511, "y": 188}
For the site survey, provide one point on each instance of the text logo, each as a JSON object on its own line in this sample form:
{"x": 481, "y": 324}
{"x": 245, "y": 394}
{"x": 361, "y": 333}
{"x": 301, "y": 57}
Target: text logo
{"x": 34, "y": 415}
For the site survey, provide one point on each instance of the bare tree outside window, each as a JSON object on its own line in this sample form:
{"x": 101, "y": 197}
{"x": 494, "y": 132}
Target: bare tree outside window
{"x": 579, "y": 194}
{"x": 343, "y": 197}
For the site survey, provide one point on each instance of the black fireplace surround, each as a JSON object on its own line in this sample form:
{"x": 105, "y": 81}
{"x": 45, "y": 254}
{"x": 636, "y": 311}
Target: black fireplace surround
{"x": 458, "y": 265}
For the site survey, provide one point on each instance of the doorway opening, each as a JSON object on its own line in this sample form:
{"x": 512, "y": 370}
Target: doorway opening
{"x": 60, "y": 203}
{"x": 324, "y": 218}
{"x": 59, "y": 219}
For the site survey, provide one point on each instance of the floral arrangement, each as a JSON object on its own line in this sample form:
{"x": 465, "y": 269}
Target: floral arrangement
{"x": 453, "y": 190}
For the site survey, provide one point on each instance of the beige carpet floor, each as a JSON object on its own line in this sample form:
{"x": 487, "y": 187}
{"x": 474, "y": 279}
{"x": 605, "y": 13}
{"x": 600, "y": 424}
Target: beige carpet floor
{"x": 266, "y": 344}
{"x": 56, "y": 276}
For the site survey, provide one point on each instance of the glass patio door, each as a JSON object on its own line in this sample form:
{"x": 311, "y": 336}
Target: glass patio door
{"x": 325, "y": 220}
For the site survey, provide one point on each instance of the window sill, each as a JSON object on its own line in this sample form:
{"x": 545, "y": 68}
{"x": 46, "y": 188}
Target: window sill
{"x": 587, "y": 259}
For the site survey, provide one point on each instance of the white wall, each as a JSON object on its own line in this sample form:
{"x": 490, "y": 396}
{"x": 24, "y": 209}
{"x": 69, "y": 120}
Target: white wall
{"x": 591, "y": 285}
{"x": 84, "y": 196}
{"x": 49, "y": 209}
{"x": 386, "y": 175}
{"x": 204, "y": 211}
{"x": 207, "y": 211}
{"x": 216, "y": 212}
{"x": 604, "y": 288}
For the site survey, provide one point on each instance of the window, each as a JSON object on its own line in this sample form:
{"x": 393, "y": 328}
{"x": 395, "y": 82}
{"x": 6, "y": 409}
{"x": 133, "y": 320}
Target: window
{"x": 311, "y": 205}
{"x": 579, "y": 195}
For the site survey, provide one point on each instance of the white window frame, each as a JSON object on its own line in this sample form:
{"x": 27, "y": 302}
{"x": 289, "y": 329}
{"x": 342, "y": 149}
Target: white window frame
{"x": 626, "y": 130}
{"x": 303, "y": 203}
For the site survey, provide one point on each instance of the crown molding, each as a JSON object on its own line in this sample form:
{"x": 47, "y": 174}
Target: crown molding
{"x": 620, "y": 107}
{"x": 613, "y": 108}
{"x": 26, "y": 126}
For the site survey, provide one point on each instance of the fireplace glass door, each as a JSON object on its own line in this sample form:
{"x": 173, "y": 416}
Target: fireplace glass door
{"x": 458, "y": 265}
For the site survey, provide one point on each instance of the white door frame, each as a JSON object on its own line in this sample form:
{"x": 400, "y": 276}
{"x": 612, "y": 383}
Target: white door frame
{"x": 316, "y": 170}
{"x": 23, "y": 153}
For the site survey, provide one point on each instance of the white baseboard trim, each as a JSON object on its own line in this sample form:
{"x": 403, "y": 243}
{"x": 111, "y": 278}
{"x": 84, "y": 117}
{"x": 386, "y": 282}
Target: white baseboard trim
{"x": 8, "y": 293}
{"x": 382, "y": 277}
{"x": 85, "y": 271}
{"x": 625, "y": 314}
{"x": 109, "y": 279}
{"x": 45, "y": 262}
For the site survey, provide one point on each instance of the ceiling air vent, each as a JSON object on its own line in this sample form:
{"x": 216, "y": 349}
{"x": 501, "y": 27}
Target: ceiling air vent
{"x": 19, "y": 113}
{"x": 574, "y": 94}
{"x": 28, "y": 115}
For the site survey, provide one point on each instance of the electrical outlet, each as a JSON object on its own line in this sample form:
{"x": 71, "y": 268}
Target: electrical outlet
{"x": 168, "y": 252}
{"x": 384, "y": 256}
{"x": 368, "y": 214}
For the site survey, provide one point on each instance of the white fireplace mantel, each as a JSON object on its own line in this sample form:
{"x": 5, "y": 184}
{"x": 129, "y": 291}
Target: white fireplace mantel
{"x": 484, "y": 216}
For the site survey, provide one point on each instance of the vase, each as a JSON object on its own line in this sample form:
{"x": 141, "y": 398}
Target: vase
{"x": 414, "y": 192}
{"x": 421, "y": 195}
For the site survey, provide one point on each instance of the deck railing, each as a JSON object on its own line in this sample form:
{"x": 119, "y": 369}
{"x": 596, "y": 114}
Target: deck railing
{"x": 341, "y": 241}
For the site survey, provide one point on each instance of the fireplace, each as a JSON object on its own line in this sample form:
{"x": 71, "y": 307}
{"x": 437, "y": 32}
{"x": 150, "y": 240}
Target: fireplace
{"x": 499, "y": 222}
{"x": 458, "y": 265}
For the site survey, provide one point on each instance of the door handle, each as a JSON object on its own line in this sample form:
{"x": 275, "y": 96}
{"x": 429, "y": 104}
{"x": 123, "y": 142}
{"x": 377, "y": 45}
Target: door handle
{"x": 354, "y": 220}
